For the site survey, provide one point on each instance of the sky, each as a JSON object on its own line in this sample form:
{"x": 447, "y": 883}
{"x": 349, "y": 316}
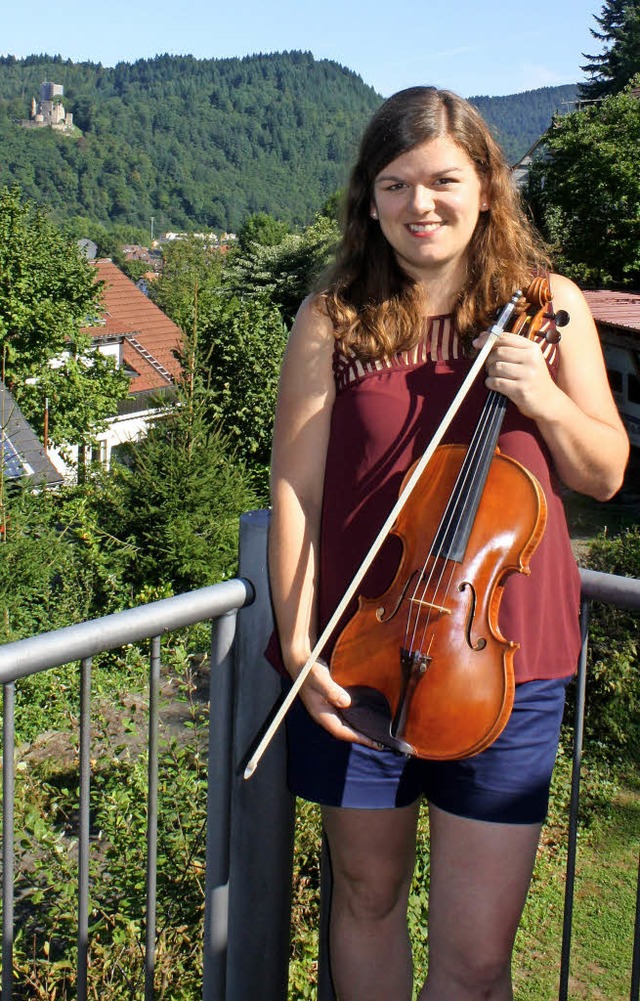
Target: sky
{"x": 474, "y": 47}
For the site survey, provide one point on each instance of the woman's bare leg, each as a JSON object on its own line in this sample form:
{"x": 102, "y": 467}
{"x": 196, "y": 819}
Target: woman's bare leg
{"x": 480, "y": 874}
{"x": 372, "y": 859}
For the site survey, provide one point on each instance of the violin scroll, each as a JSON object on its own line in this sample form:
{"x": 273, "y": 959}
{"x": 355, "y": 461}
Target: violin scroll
{"x": 535, "y": 314}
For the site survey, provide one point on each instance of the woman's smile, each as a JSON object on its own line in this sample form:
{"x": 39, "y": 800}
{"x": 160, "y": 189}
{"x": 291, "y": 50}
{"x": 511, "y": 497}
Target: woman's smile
{"x": 419, "y": 228}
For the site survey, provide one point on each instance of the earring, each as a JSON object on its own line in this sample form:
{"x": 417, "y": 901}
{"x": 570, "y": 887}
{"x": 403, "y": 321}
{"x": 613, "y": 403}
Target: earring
{"x": 374, "y": 213}
{"x": 484, "y": 206}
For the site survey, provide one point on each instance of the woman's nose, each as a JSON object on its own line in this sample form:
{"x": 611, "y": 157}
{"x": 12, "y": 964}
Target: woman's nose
{"x": 422, "y": 198}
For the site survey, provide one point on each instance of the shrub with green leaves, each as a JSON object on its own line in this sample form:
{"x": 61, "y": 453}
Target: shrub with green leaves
{"x": 613, "y": 708}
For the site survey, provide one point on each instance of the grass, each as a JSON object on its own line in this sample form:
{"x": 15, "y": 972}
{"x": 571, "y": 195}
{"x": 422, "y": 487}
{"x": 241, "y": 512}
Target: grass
{"x": 604, "y": 908}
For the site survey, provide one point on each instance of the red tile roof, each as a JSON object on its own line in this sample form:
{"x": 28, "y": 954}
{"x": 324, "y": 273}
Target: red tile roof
{"x": 616, "y": 309}
{"x": 150, "y": 337}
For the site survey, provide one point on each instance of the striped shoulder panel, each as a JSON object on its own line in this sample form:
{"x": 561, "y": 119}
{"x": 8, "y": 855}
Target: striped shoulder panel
{"x": 439, "y": 346}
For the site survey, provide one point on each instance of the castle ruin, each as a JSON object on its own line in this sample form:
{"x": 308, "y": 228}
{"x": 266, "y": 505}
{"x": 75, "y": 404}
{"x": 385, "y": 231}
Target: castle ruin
{"x": 49, "y": 110}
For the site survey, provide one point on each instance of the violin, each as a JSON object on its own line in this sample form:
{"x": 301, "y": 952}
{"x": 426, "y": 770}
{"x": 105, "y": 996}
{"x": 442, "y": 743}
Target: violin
{"x": 427, "y": 668}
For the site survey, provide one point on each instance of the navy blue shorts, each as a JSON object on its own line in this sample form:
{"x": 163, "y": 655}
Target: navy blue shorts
{"x": 506, "y": 783}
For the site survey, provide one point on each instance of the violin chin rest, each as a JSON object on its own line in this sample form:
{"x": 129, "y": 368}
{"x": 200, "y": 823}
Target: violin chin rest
{"x": 369, "y": 714}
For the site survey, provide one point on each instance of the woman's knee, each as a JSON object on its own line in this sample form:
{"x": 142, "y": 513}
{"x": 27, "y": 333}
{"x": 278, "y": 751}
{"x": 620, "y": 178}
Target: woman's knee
{"x": 369, "y": 893}
{"x": 474, "y": 973}
{"x": 372, "y": 857}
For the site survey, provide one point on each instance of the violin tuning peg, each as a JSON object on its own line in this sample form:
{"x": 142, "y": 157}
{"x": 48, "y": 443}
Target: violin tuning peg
{"x": 559, "y": 319}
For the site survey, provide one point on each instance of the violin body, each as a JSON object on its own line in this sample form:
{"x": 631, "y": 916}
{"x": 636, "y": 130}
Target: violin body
{"x": 452, "y": 694}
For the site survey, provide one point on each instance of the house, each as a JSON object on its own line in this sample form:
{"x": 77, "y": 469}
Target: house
{"x": 23, "y": 455}
{"x": 140, "y": 337}
{"x": 520, "y": 170}
{"x": 617, "y": 316}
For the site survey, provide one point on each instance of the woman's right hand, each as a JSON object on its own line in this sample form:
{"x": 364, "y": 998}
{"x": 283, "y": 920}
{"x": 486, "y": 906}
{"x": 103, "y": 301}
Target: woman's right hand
{"x": 323, "y": 699}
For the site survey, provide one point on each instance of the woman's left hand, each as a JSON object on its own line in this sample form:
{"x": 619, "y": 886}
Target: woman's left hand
{"x": 575, "y": 414}
{"x": 516, "y": 368}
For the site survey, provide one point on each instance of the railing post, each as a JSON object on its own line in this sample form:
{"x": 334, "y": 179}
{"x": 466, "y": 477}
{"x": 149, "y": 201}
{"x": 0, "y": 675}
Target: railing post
{"x": 216, "y": 913}
{"x": 8, "y": 858}
{"x": 262, "y": 817}
{"x": 635, "y": 968}
{"x": 325, "y": 980}
{"x": 574, "y": 806}
{"x": 84, "y": 826}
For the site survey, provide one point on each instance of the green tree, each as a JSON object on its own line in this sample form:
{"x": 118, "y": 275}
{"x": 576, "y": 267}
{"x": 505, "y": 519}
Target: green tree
{"x": 82, "y": 391}
{"x": 176, "y": 500}
{"x": 234, "y": 341}
{"x": 263, "y": 229}
{"x": 243, "y": 343}
{"x": 585, "y": 192}
{"x": 286, "y": 272}
{"x": 191, "y": 274}
{"x": 56, "y": 565}
{"x": 613, "y": 68}
{"x": 613, "y": 720}
{"x": 48, "y": 292}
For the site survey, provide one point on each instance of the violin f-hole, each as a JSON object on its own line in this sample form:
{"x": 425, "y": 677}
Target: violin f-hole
{"x": 481, "y": 642}
{"x": 381, "y": 615}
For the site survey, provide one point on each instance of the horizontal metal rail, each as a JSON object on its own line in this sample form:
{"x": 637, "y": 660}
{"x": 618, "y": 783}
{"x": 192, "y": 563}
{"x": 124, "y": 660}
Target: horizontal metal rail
{"x": 86, "y": 639}
{"x": 610, "y": 589}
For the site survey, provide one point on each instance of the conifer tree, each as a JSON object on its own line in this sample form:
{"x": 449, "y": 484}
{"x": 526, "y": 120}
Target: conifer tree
{"x": 611, "y": 70}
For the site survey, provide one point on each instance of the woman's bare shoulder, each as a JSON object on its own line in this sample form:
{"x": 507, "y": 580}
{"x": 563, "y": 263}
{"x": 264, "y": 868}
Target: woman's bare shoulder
{"x": 308, "y": 359}
{"x": 312, "y": 333}
{"x": 566, "y": 293}
{"x": 312, "y": 315}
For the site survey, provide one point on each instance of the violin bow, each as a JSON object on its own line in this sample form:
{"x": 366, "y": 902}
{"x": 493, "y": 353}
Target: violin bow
{"x": 494, "y": 332}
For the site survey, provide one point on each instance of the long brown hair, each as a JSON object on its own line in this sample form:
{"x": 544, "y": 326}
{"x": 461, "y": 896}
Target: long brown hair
{"x": 376, "y": 308}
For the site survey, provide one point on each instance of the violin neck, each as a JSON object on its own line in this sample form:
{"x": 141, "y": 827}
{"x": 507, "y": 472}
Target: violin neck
{"x": 454, "y": 529}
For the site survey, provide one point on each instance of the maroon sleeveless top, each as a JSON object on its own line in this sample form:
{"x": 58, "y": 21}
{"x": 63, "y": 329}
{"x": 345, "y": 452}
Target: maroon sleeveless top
{"x": 384, "y": 416}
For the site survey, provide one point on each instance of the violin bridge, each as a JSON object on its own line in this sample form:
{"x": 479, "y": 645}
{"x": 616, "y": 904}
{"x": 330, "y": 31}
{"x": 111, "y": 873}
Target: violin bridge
{"x": 430, "y": 604}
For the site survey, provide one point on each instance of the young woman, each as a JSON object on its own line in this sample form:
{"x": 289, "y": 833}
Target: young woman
{"x": 434, "y": 243}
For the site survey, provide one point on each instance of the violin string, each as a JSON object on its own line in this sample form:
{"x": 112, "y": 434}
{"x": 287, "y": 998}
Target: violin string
{"x": 489, "y": 424}
{"x": 452, "y": 513}
{"x": 445, "y": 523}
{"x": 491, "y": 416}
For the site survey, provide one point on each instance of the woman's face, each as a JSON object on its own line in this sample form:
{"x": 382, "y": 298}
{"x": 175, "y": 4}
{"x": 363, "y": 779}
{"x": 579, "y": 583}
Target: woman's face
{"x": 427, "y": 202}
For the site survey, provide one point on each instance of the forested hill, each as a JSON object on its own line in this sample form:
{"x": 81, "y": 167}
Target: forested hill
{"x": 204, "y": 143}
{"x": 520, "y": 119}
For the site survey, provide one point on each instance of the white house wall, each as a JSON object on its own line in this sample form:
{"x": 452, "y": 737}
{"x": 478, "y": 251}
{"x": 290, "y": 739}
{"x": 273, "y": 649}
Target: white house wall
{"x": 121, "y": 429}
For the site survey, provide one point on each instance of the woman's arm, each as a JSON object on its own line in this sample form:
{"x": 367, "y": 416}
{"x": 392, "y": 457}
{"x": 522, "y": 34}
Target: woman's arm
{"x": 576, "y": 415}
{"x": 301, "y": 435}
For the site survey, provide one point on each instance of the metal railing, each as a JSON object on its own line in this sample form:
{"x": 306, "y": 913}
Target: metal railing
{"x": 250, "y": 825}
{"x": 81, "y": 643}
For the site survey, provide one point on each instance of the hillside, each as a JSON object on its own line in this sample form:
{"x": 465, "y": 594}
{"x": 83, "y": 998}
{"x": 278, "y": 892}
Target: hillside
{"x": 204, "y": 143}
{"x": 520, "y": 119}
